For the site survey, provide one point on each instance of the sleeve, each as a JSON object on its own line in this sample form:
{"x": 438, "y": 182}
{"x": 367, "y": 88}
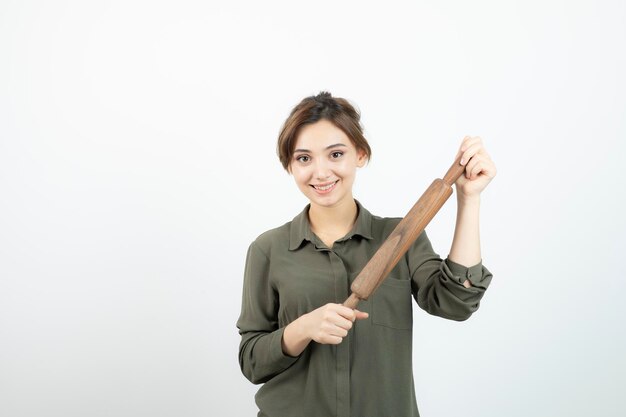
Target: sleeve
{"x": 437, "y": 284}
{"x": 260, "y": 351}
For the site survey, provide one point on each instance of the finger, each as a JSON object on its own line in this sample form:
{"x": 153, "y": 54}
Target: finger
{"x": 469, "y": 152}
{"x": 342, "y": 322}
{"x": 331, "y": 340}
{"x": 331, "y": 329}
{"x": 345, "y": 312}
{"x": 487, "y": 168}
{"x": 491, "y": 169}
{"x": 476, "y": 170}
{"x": 459, "y": 152}
{"x": 333, "y": 309}
{"x": 341, "y": 332}
{"x": 471, "y": 166}
{"x": 465, "y": 142}
{"x": 469, "y": 141}
{"x": 338, "y": 331}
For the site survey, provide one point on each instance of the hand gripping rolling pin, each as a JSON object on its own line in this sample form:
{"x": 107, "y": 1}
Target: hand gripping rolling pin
{"x": 405, "y": 233}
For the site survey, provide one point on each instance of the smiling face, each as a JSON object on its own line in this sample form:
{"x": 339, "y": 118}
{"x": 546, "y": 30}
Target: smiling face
{"x": 324, "y": 164}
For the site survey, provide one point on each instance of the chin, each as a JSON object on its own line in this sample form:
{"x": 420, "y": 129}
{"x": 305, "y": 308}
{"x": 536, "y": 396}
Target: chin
{"x": 326, "y": 201}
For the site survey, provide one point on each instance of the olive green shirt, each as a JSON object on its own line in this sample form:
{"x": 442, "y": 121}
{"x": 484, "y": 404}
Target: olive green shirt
{"x": 290, "y": 272}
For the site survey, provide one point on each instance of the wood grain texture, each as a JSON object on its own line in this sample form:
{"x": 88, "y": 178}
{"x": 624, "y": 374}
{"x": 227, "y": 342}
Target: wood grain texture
{"x": 401, "y": 238}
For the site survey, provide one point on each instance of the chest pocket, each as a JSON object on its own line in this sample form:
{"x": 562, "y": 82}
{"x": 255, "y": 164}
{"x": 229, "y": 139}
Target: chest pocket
{"x": 391, "y": 304}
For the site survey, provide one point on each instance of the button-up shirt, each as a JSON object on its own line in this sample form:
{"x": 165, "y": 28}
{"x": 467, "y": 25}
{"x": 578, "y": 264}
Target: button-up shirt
{"x": 289, "y": 272}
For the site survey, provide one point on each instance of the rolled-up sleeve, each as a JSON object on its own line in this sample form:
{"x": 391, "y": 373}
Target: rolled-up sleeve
{"x": 437, "y": 284}
{"x": 260, "y": 351}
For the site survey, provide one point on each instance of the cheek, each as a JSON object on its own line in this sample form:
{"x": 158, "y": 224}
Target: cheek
{"x": 300, "y": 176}
{"x": 346, "y": 169}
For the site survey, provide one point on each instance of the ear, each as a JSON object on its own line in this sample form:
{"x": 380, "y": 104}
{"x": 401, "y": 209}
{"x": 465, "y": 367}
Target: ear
{"x": 361, "y": 158}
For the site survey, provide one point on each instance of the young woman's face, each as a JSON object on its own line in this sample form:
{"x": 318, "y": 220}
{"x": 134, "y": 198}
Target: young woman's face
{"x": 324, "y": 163}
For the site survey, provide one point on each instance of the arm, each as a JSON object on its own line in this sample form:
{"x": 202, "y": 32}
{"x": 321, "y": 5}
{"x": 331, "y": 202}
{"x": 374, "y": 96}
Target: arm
{"x": 267, "y": 350}
{"x": 453, "y": 288}
{"x": 440, "y": 286}
{"x": 260, "y": 351}
{"x": 479, "y": 171}
{"x": 465, "y": 248}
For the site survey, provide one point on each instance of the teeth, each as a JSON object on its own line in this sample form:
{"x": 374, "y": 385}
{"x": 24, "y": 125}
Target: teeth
{"x": 326, "y": 187}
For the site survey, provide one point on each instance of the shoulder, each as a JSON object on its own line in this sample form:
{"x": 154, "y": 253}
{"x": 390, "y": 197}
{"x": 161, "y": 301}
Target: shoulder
{"x": 276, "y": 239}
{"x": 383, "y": 226}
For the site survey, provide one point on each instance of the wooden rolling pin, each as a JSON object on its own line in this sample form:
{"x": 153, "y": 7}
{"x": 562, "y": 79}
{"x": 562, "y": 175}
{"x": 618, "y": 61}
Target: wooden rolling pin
{"x": 405, "y": 233}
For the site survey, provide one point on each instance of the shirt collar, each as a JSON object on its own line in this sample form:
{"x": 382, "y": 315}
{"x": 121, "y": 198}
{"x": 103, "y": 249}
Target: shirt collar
{"x": 301, "y": 228}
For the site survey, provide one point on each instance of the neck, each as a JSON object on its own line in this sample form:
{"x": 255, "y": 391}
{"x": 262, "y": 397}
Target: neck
{"x": 339, "y": 218}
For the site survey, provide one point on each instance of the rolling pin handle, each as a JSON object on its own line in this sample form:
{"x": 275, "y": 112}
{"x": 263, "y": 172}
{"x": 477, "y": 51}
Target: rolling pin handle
{"x": 352, "y": 301}
{"x": 455, "y": 171}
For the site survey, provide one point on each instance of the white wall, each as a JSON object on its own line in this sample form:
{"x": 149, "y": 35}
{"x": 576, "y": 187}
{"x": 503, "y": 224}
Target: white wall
{"x": 137, "y": 162}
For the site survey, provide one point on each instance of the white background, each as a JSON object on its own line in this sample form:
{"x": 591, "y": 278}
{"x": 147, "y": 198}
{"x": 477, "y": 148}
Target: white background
{"x": 137, "y": 163}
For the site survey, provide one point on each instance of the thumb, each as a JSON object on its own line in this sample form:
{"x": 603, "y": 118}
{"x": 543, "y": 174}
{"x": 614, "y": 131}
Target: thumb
{"x": 361, "y": 314}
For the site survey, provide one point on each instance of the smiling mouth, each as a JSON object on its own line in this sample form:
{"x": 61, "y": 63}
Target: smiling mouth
{"x": 325, "y": 187}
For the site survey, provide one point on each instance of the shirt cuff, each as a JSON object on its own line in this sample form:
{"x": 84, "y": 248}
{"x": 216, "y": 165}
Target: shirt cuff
{"x": 462, "y": 273}
{"x": 280, "y": 358}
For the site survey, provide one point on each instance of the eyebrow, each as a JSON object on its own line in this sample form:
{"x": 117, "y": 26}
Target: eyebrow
{"x": 336, "y": 145}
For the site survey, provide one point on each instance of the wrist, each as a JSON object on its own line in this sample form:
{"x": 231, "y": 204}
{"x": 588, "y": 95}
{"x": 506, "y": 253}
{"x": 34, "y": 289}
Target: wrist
{"x": 468, "y": 200}
{"x": 295, "y": 337}
{"x": 301, "y": 328}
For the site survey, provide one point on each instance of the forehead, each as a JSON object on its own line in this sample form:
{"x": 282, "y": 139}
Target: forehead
{"x": 319, "y": 135}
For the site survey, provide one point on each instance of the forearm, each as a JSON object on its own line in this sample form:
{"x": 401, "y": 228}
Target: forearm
{"x": 295, "y": 339}
{"x": 465, "y": 249}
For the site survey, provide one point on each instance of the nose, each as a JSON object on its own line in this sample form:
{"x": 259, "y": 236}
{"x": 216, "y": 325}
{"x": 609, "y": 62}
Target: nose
{"x": 322, "y": 170}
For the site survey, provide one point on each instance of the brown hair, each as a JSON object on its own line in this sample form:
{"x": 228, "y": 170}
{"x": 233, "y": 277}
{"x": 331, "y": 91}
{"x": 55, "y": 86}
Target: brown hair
{"x": 314, "y": 108}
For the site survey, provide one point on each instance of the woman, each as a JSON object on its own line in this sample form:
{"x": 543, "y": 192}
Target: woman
{"x": 315, "y": 356}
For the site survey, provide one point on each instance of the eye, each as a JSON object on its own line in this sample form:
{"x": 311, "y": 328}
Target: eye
{"x": 337, "y": 154}
{"x": 303, "y": 158}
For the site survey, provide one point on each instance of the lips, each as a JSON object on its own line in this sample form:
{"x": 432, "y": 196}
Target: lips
{"x": 325, "y": 188}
